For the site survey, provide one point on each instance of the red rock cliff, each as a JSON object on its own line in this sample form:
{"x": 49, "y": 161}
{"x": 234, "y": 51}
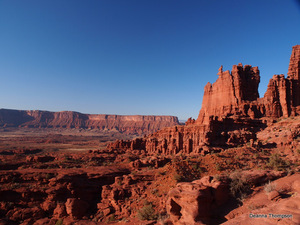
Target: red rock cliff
{"x": 282, "y": 97}
{"x": 67, "y": 119}
{"x": 236, "y": 93}
{"x": 232, "y": 111}
{"x": 227, "y": 94}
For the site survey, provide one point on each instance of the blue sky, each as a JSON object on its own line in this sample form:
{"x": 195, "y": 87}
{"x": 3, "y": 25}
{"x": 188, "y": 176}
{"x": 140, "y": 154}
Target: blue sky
{"x": 129, "y": 57}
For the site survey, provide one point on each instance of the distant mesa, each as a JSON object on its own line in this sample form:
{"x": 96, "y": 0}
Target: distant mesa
{"x": 232, "y": 112}
{"x": 137, "y": 124}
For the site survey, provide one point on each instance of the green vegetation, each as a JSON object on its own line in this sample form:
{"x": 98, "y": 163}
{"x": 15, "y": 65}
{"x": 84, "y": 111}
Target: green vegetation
{"x": 178, "y": 178}
{"x": 187, "y": 170}
{"x": 218, "y": 167}
{"x": 276, "y": 162}
{"x": 239, "y": 187}
{"x": 111, "y": 218}
{"x": 59, "y": 222}
{"x": 147, "y": 213}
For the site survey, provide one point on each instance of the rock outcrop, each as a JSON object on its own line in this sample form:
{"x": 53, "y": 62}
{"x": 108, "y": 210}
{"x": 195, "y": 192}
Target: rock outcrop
{"x": 232, "y": 111}
{"x": 236, "y": 93}
{"x": 229, "y": 92}
{"x": 282, "y": 97}
{"x": 204, "y": 201}
{"x": 194, "y": 202}
{"x": 196, "y": 139}
{"x": 67, "y": 119}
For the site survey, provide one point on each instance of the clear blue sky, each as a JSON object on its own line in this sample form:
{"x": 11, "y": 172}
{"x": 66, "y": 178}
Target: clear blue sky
{"x": 150, "y": 57}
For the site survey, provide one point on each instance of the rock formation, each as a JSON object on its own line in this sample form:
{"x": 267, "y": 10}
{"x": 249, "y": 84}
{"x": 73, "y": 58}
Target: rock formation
{"x": 229, "y": 92}
{"x": 194, "y": 202}
{"x": 68, "y": 119}
{"x": 204, "y": 201}
{"x": 282, "y": 97}
{"x": 232, "y": 111}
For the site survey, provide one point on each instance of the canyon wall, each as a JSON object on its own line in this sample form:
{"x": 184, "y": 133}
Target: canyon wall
{"x": 67, "y": 119}
{"x": 231, "y": 112}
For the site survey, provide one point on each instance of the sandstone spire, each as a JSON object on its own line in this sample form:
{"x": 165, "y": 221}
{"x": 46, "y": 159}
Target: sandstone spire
{"x": 229, "y": 91}
{"x": 294, "y": 76}
{"x": 294, "y": 67}
{"x": 231, "y": 112}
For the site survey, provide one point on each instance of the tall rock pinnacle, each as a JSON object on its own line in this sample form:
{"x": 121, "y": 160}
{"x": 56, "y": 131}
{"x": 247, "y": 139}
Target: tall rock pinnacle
{"x": 294, "y": 67}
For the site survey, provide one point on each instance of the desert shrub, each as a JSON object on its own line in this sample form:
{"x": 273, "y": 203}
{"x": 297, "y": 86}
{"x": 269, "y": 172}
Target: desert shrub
{"x": 276, "y": 162}
{"x": 269, "y": 187}
{"x": 59, "y": 222}
{"x": 239, "y": 187}
{"x": 111, "y": 218}
{"x": 219, "y": 167}
{"x": 195, "y": 166}
{"x": 186, "y": 170}
{"x": 147, "y": 213}
{"x": 162, "y": 173}
{"x": 178, "y": 177}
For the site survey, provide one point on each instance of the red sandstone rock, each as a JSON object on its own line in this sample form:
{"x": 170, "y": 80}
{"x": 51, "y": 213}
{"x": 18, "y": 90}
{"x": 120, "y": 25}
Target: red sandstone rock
{"x": 229, "y": 92}
{"x": 36, "y": 158}
{"x": 45, "y": 221}
{"x": 273, "y": 195}
{"x": 270, "y": 204}
{"x": 237, "y": 93}
{"x": 195, "y": 138}
{"x": 192, "y": 203}
{"x": 76, "y": 208}
{"x": 138, "y": 143}
{"x": 60, "y": 211}
{"x": 18, "y": 214}
{"x": 190, "y": 121}
{"x": 67, "y": 119}
{"x": 230, "y": 113}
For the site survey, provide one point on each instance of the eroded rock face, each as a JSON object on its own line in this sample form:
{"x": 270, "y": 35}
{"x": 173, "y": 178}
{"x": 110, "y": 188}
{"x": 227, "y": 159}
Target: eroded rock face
{"x": 205, "y": 201}
{"x": 230, "y": 90}
{"x": 68, "y": 119}
{"x": 236, "y": 93}
{"x": 277, "y": 208}
{"x": 193, "y": 202}
{"x": 294, "y": 76}
{"x": 195, "y": 138}
{"x": 76, "y": 208}
{"x": 282, "y": 97}
{"x": 294, "y": 67}
{"x": 138, "y": 143}
{"x": 232, "y": 112}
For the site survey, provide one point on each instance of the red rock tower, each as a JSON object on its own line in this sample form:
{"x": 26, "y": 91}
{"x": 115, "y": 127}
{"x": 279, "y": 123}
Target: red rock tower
{"x": 294, "y": 67}
{"x": 294, "y": 77}
{"x": 229, "y": 92}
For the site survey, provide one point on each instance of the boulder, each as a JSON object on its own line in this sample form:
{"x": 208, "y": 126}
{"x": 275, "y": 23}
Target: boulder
{"x": 192, "y": 202}
{"x": 76, "y": 208}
